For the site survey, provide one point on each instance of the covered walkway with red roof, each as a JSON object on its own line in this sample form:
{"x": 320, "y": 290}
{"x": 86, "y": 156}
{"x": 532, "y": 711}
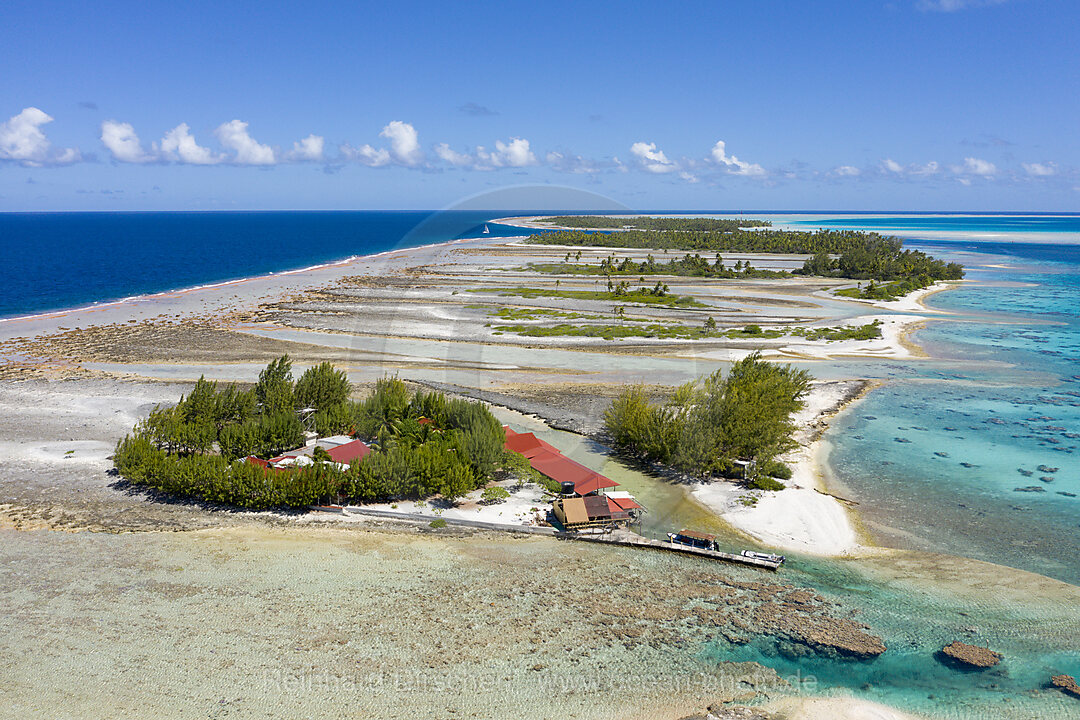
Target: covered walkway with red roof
{"x": 545, "y": 458}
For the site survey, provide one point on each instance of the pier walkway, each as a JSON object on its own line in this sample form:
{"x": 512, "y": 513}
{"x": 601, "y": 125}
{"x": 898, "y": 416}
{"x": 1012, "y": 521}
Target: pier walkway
{"x": 623, "y": 538}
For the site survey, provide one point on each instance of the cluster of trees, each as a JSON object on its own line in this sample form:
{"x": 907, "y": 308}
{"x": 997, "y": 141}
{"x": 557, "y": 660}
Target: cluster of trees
{"x": 802, "y": 242}
{"x": 708, "y": 425}
{"x": 687, "y": 266}
{"x": 696, "y": 224}
{"x": 194, "y": 448}
{"x": 259, "y": 421}
{"x": 884, "y": 259}
{"x": 656, "y": 296}
{"x": 835, "y": 253}
{"x": 622, "y": 289}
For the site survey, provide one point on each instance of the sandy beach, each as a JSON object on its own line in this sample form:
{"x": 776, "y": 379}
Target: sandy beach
{"x": 802, "y": 517}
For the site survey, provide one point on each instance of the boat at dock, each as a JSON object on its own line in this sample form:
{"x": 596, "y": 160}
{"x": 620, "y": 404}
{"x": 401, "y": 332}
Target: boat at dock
{"x": 704, "y": 541}
{"x": 694, "y": 539}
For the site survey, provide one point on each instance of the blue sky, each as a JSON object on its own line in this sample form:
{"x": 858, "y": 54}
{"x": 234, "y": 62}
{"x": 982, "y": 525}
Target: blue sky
{"x": 743, "y": 104}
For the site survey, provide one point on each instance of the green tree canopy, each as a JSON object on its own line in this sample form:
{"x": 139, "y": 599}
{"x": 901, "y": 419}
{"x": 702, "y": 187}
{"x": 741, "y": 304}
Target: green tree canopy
{"x": 274, "y": 391}
{"x": 322, "y": 387}
{"x": 708, "y": 425}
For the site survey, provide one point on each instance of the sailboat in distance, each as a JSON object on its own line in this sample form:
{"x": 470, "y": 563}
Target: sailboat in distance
{"x": 486, "y": 231}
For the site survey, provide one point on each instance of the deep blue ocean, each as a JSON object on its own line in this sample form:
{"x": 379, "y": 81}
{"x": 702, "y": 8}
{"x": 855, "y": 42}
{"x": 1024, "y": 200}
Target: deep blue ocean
{"x": 54, "y": 261}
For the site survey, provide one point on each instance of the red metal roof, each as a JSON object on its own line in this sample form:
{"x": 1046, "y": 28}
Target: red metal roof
{"x": 345, "y": 454}
{"x": 625, "y": 503}
{"x": 528, "y": 444}
{"x": 594, "y": 482}
{"x": 252, "y": 460}
{"x": 598, "y": 508}
{"x": 560, "y": 468}
{"x": 546, "y": 458}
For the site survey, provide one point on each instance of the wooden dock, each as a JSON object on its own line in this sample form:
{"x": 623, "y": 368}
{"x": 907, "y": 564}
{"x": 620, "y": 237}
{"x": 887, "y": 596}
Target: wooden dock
{"x": 631, "y": 539}
{"x": 624, "y": 538}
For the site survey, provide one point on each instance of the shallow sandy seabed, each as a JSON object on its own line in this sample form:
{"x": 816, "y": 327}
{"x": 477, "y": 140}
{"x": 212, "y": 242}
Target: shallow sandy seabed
{"x": 259, "y": 622}
{"x": 835, "y": 709}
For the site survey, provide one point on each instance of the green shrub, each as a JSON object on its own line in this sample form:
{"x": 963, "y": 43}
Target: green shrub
{"x": 274, "y": 391}
{"x": 494, "y": 494}
{"x": 438, "y": 523}
{"x": 776, "y": 469}
{"x": 764, "y": 482}
{"x": 334, "y": 420}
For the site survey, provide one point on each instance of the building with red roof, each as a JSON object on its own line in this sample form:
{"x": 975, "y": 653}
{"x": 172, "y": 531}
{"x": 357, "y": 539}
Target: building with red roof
{"x": 345, "y": 454}
{"x": 588, "y": 508}
{"x": 527, "y": 444}
{"x": 341, "y": 448}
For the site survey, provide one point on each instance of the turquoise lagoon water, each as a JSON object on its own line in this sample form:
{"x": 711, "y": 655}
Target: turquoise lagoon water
{"x": 936, "y": 456}
{"x": 979, "y": 454}
{"x": 915, "y": 619}
{"x": 933, "y": 456}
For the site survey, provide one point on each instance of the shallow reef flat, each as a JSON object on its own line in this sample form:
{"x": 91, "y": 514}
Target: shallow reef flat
{"x": 330, "y": 622}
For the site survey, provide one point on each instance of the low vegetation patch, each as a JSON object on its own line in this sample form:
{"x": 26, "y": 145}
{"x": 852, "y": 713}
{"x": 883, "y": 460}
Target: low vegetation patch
{"x": 686, "y": 266}
{"x": 615, "y": 293}
{"x": 494, "y": 494}
{"x": 869, "y": 331}
{"x": 514, "y": 313}
{"x": 697, "y": 224}
{"x": 887, "y": 291}
{"x": 706, "y": 331}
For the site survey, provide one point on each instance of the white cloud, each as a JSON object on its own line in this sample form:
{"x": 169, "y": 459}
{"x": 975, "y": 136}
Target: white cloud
{"x": 976, "y": 166}
{"x": 578, "y": 165}
{"x": 892, "y": 166}
{"x": 447, "y": 154}
{"x": 234, "y": 136}
{"x": 22, "y": 140}
{"x": 688, "y": 177}
{"x": 404, "y": 145}
{"x": 954, "y": 5}
{"x": 1040, "y": 169}
{"x": 735, "y": 165}
{"x": 930, "y": 168}
{"x": 847, "y": 171}
{"x": 123, "y": 143}
{"x": 308, "y": 149}
{"x": 65, "y": 156}
{"x": 178, "y": 145}
{"x": 515, "y": 153}
{"x": 652, "y": 158}
{"x": 365, "y": 155}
